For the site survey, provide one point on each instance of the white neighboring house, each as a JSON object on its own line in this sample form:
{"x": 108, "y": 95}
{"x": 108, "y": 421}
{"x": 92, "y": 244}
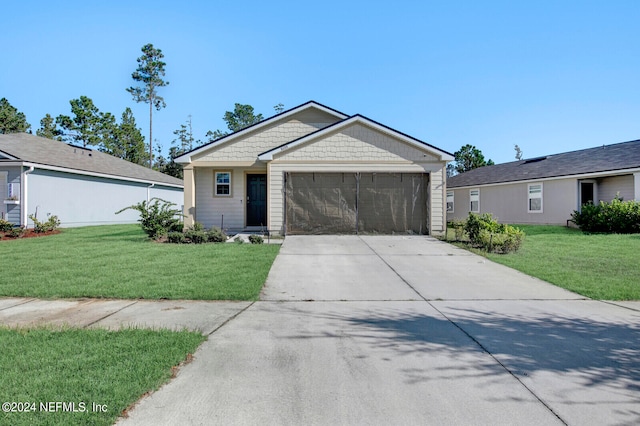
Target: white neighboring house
{"x": 79, "y": 185}
{"x": 546, "y": 190}
{"x": 315, "y": 170}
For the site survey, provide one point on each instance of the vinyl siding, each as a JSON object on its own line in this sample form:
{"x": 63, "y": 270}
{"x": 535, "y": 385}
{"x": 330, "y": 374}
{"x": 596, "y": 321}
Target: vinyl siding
{"x": 356, "y": 142}
{"x": 509, "y": 203}
{"x": 264, "y": 139}
{"x": 80, "y": 200}
{"x": 228, "y": 212}
{"x": 609, "y": 187}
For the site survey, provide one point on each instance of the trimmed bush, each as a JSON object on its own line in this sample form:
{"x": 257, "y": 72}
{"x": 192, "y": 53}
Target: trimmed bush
{"x": 176, "y": 238}
{"x": 196, "y": 237}
{"x": 5, "y": 225}
{"x": 620, "y": 217}
{"x": 216, "y": 235}
{"x": 256, "y": 239}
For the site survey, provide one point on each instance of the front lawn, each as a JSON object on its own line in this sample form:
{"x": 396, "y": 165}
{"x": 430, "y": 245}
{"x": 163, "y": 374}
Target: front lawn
{"x": 118, "y": 261}
{"x": 599, "y": 266}
{"x": 84, "y": 377}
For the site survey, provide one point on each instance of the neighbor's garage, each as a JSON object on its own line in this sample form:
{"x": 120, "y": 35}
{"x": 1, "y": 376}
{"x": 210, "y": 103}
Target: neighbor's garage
{"x": 352, "y": 203}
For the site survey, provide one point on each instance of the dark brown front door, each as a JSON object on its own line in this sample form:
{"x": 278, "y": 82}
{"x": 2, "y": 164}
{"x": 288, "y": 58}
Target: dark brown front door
{"x": 256, "y": 200}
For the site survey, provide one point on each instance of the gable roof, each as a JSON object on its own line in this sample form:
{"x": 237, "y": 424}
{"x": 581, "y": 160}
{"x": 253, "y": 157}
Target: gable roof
{"x": 186, "y": 157}
{"x": 28, "y": 148}
{"x": 356, "y": 119}
{"x": 620, "y": 156}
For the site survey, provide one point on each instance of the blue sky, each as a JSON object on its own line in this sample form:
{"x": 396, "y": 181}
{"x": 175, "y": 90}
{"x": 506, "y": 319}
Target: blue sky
{"x": 550, "y": 76}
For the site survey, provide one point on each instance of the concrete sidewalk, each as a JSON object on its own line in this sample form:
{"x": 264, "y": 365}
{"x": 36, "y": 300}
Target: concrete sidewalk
{"x": 202, "y": 316}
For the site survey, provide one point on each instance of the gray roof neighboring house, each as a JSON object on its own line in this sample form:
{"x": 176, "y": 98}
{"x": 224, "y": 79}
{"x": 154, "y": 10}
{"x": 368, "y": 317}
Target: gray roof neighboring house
{"x": 606, "y": 158}
{"x": 23, "y": 147}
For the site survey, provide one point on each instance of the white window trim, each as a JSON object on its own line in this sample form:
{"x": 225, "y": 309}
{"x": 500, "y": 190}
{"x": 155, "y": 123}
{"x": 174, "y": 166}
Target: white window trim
{"x": 216, "y": 184}
{"x": 452, "y": 201}
{"x": 537, "y": 195}
{"x": 475, "y": 198}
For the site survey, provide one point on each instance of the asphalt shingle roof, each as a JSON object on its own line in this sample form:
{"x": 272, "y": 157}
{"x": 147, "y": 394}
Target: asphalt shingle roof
{"x": 34, "y": 149}
{"x": 620, "y": 156}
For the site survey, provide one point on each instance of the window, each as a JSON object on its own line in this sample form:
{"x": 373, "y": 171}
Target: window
{"x": 474, "y": 200}
{"x": 449, "y": 201}
{"x": 535, "y": 198}
{"x": 222, "y": 183}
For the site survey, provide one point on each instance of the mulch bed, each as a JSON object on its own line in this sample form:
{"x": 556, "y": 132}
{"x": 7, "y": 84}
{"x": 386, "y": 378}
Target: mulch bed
{"x": 28, "y": 233}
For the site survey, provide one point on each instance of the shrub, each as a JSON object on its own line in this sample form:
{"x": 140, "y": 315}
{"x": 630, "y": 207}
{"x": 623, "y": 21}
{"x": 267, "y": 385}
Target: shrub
{"x": 5, "y": 225}
{"x": 477, "y": 222}
{"x": 16, "y": 232}
{"x": 50, "y": 224}
{"x": 176, "y": 237}
{"x": 621, "y": 217}
{"x": 507, "y": 240}
{"x": 157, "y": 217}
{"x": 216, "y": 235}
{"x": 196, "y": 237}
{"x": 256, "y": 239}
{"x": 484, "y": 231}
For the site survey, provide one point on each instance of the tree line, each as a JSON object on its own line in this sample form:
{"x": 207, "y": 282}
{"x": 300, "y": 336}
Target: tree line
{"x": 89, "y": 127}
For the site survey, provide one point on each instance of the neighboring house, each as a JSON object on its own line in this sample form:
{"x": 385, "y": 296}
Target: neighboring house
{"x": 79, "y": 185}
{"x": 312, "y": 170}
{"x": 546, "y": 190}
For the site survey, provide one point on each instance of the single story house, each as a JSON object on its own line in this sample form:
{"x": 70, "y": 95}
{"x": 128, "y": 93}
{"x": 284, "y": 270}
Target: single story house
{"x": 314, "y": 170}
{"x": 546, "y": 190}
{"x": 82, "y": 187}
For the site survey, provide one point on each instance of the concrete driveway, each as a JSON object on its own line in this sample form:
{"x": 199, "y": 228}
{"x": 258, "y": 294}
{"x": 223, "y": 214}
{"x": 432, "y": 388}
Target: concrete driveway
{"x": 407, "y": 330}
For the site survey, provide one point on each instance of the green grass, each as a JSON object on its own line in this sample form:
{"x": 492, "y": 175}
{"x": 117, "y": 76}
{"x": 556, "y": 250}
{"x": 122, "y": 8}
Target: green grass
{"x": 118, "y": 261}
{"x": 599, "y": 266}
{"x": 112, "y": 368}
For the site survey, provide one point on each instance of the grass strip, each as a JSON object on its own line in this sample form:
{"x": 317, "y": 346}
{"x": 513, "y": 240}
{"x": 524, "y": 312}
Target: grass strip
{"x": 118, "y": 261}
{"x": 599, "y": 266}
{"x": 97, "y": 373}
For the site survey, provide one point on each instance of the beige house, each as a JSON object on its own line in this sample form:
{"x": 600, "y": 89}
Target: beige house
{"x": 314, "y": 170}
{"x": 546, "y": 190}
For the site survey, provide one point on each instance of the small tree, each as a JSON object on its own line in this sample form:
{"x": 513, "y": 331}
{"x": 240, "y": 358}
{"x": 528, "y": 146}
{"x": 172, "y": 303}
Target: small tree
{"x": 468, "y": 158}
{"x": 518, "y": 152}
{"x": 157, "y": 217}
{"x": 241, "y": 117}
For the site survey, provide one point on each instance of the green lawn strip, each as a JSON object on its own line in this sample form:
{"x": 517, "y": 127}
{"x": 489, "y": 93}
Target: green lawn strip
{"x": 599, "y": 266}
{"x": 109, "y": 368}
{"x": 118, "y": 261}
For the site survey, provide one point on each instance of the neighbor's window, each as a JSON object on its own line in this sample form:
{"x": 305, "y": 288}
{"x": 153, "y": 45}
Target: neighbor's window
{"x": 535, "y": 198}
{"x": 222, "y": 184}
{"x": 474, "y": 200}
{"x": 449, "y": 201}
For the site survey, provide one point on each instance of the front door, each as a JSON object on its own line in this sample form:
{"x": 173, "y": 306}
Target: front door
{"x": 587, "y": 193}
{"x": 256, "y": 200}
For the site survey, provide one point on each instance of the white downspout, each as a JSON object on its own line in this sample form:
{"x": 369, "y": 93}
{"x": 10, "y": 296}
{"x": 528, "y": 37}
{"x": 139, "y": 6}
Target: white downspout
{"x": 149, "y": 191}
{"x": 23, "y": 197}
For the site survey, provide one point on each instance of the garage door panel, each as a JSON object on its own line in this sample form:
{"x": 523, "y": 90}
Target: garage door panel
{"x": 392, "y": 203}
{"x": 321, "y": 203}
{"x": 349, "y": 203}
